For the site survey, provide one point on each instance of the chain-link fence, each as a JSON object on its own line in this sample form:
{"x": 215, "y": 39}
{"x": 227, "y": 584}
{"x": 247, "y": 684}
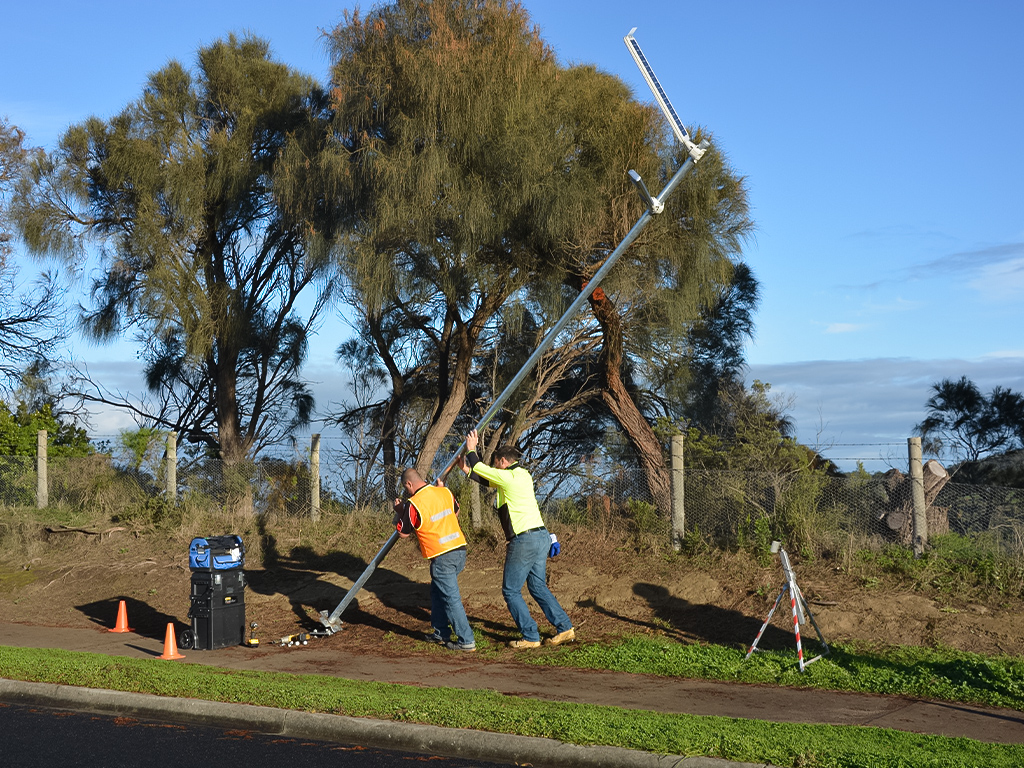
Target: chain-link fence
{"x": 719, "y": 508}
{"x": 17, "y": 481}
{"x": 726, "y": 507}
{"x": 99, "y": 483}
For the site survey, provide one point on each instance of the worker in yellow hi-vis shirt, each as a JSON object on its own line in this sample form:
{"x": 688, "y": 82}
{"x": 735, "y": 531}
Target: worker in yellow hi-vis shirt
{"x": 527, "y": 542}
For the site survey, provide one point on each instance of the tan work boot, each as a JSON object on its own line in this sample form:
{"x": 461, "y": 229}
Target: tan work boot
{"x": 521, "y": 644}
{"x": 562, "y": 637}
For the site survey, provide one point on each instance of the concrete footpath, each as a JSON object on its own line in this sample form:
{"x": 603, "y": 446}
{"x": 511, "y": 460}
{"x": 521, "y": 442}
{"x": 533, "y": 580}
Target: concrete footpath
{"x": 436, "y": 667}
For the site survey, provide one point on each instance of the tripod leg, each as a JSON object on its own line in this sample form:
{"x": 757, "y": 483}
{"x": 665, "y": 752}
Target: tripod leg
{"x": 753, "y": 646}
{"x": 821, "y": 638}
{"x": 796, "y": 628}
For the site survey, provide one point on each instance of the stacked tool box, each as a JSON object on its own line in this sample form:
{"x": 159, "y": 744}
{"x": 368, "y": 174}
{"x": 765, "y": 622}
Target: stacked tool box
{"x": 218, "y": 593}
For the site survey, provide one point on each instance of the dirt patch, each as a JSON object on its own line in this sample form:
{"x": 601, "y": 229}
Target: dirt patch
{"x": 608, "y": 588}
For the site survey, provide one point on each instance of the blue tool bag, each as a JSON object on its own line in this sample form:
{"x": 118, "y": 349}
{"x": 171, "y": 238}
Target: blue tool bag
{"x": 216, "y": 553}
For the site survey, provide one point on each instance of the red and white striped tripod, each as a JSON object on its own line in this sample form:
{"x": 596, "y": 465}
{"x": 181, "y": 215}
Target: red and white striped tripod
{"x": 800, "y": 607}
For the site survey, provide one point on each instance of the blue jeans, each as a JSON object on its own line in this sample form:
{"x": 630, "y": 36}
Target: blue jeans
{"x": 526, "y": 562}
{"x": 445, "y": 601}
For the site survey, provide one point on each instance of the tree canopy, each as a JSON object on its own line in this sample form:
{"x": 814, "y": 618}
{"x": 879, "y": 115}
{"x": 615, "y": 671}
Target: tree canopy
{"x": 445, "y": 110}
{"x": 488, "y": 173}
{"x": 211, "y": 204}
{"x": 20, "y": 426}
{"x": 12, "y": 158}
{"x": 31, "y": 316}
{"x": 970, "y": 425}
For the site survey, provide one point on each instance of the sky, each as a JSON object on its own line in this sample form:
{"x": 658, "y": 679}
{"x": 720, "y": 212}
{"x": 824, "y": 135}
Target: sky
{"x": 880, "y": 143}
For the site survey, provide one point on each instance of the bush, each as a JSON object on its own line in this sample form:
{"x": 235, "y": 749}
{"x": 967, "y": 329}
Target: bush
{"x": 568, "y": 512}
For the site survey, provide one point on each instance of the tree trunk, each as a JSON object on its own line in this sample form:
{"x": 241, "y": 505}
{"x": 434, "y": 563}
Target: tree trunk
{"x": 451, "y": 404}
{"x": 233, "y": 447}
{"x": 624, "y": 409}
{"x": 388, "y": 433}
{"x": 389, "y": 421}
{"x": 452, "y": 394}
{"x": 897, "y": 513}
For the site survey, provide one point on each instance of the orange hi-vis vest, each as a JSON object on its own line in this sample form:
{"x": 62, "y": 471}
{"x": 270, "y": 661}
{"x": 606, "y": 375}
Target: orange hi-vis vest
{"x": 438, "y": 530}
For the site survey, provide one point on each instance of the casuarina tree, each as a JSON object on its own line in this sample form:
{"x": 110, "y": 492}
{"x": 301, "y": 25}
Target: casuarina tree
{"x": 204, "y": 204}
{"x": 445, "y": 111}
{"x": 31, "y": 316}
{"x": 485, "y": 169}
{"x": 970, "y": 425}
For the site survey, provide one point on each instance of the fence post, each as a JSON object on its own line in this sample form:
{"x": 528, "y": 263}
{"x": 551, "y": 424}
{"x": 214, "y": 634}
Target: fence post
{"x": 917, "y": 491}
{"x": 475, "y": 507}
{"x": 171, "y": 467}
{"x": 42, "y": 481}
{"x": 678, "y": 485}
{"x": 314, "y": 477}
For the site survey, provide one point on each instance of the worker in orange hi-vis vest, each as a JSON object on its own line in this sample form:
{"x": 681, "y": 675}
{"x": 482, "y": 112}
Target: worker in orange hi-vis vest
{"x": 430, "y": 512}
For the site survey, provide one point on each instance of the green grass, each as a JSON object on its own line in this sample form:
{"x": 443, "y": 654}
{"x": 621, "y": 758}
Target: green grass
{"x": 931, "y": 673}
{"x": 783, "y": 744}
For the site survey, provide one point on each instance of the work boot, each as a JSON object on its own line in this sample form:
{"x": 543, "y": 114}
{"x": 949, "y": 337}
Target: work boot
{"x": 434, "y": 637}
{"x": 562, "y": 637}
{"x": 521, "y": 644}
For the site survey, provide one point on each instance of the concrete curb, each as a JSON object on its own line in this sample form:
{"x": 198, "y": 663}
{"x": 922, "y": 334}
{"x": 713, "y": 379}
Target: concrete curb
{"x": 430, "y": 739}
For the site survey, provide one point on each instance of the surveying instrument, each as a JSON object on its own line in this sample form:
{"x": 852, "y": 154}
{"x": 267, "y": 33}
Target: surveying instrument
{"x": 801, "y": 611}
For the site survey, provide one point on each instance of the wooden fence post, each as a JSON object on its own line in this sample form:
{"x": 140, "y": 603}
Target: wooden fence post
{"x": 171, "y": 467}
{"x": 678, "y": 495}
{"x": 314, "y": 477}
{"x": 475, "y": 506}
{"x": 42, "y": 480}
{"x": 917, "y": 491}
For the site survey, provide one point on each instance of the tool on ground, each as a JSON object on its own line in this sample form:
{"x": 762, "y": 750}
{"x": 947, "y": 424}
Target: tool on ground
{"x": 252, "y": 641}
{"x": 655, "y": 205}
{"x": 801, "y": 611}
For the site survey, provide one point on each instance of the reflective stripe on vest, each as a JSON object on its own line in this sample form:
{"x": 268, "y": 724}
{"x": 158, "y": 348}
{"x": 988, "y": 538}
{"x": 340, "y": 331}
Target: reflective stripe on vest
{"x": 438, "y": 531}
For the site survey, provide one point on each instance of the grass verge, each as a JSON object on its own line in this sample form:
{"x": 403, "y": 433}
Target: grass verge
{"x": 783, "y": 744}
{"x": 942, "y": 674}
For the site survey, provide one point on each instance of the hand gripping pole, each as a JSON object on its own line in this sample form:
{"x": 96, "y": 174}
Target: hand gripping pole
{"x": 655, "y": 205}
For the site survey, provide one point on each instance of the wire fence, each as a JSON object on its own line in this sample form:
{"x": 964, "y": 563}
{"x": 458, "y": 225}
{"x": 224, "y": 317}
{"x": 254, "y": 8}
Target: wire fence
{"x": 718, "y": 507}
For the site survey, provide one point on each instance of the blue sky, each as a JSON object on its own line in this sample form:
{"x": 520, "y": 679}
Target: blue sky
{"x": 880, "y": 142}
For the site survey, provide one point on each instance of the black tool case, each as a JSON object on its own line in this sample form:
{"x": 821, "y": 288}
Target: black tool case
{"x": 217, "y": 601}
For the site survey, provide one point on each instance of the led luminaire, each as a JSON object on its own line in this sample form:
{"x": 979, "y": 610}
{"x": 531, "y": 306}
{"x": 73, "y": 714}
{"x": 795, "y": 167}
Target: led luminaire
{"x": 659, "y": 94}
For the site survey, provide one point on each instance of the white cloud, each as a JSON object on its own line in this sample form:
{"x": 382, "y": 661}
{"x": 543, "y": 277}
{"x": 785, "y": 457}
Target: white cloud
{"x": 866, "y": 409}
{"x": 967, "y": 261}
{"x": 996, "y": 271}
{"x": 1007, "y": 353}
{"x": 1002, "y": 281}
{"x": 843, "y": 328}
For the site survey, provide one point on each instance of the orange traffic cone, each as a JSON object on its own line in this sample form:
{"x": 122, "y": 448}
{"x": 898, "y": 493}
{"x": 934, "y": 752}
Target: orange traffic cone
{"x": 170, "y": 644}
{"x": 122, "y": 619}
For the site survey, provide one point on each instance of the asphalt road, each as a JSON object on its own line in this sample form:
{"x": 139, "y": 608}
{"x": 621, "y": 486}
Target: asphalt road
{"x": 38, "y": 737}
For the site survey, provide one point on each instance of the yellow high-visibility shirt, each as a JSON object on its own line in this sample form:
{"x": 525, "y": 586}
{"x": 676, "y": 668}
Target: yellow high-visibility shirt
{"x": 515, "y": 492}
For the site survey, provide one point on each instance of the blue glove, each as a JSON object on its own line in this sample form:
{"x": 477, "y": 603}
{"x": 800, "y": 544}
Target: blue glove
{"x": 555, "y": 546}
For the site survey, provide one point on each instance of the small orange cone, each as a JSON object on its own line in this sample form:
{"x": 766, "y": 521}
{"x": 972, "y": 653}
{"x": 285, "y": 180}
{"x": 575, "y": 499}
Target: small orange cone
{"x": 170, "y": 644}
{"x": 122, "y": 619}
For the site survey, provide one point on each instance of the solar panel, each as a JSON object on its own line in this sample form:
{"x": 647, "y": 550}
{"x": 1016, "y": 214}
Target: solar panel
{"x": 659, "y": 93}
